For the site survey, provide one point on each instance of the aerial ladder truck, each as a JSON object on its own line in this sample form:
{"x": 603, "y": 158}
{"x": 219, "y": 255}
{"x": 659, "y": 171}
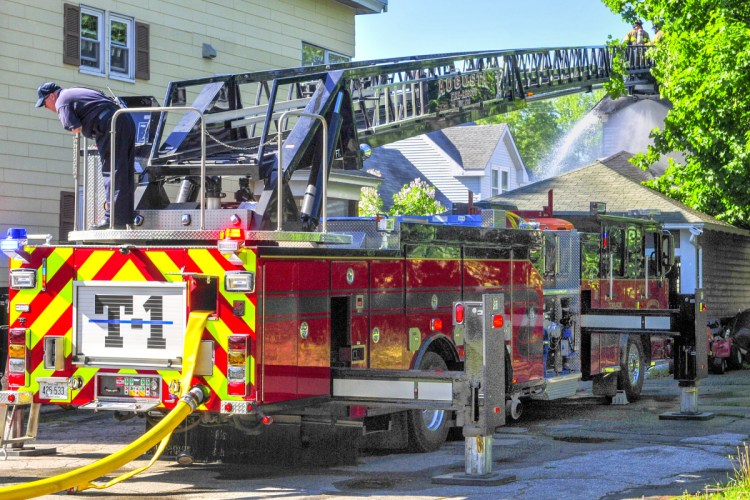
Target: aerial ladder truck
{"x": 306, "y": 318}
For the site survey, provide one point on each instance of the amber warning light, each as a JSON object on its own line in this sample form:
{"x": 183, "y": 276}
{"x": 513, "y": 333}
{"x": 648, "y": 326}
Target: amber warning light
{"x": 231, "y": 240}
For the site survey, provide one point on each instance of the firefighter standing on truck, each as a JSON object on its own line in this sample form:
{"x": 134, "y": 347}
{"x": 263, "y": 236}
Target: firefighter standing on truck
{"x": 637, "y": 36}
{"x": 90, "y": 112}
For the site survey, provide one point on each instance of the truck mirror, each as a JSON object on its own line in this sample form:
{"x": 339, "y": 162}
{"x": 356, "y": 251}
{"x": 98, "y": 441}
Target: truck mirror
{"x": 667, "y": 251}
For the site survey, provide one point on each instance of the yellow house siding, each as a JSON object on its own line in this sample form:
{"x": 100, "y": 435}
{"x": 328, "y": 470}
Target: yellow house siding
{"x": 36, "y": 153}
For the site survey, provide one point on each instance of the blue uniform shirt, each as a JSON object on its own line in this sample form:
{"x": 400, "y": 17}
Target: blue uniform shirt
{"x": 85, "y": 108}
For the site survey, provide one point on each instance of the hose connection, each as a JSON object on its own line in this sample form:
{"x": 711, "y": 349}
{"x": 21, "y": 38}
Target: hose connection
{"x": 195, "y": 396}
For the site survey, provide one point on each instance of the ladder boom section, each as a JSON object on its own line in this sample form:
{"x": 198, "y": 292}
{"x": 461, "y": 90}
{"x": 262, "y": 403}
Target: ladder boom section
{"x": 392, "y": 99}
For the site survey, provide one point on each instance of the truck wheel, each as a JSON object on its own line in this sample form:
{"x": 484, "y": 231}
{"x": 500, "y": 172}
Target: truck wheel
{"x": 735, "y": 358}
{"x": 719, "y": 366}
{"x": 632, "y": 369}
{"x": 428, "y": 429}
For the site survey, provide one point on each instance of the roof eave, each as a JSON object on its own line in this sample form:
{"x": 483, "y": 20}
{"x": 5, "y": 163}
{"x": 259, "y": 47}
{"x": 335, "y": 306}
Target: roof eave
{"x": 366, "y": 6}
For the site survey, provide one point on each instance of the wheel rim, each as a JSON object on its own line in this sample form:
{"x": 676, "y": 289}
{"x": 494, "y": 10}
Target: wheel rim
{"x": 433, "y": 419}
{"x": 634, "y": 365}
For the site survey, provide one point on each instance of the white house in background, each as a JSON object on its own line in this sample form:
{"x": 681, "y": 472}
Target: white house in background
{"x": 478, "y": 159}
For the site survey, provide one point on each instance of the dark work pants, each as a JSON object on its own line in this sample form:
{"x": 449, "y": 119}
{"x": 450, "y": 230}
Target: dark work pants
{"x": 124, "y": 165}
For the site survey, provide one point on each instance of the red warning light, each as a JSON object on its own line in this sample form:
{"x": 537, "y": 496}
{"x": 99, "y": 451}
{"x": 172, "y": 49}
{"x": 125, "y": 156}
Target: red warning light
{"x": 459, "y": 313}
{"x": 228, "y": 407}
{"x": 437, "y": 324}
{"x": 497, "y": 321}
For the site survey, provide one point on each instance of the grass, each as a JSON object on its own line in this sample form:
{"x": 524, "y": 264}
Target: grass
{"x": 737, "y": 487}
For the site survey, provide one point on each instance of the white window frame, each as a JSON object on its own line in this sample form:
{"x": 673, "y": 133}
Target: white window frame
{"x": 129, "y": 75}
{"x": 100, "y": 15}
{"x": 494, "y": 182}
{"x": 504, "y": 181}
{"x": 106, "y": 45}
{"x": 326, "y": 54}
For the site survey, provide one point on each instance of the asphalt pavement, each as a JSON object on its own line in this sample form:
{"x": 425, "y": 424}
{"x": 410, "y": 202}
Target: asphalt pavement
{"x": 578, "y": 448}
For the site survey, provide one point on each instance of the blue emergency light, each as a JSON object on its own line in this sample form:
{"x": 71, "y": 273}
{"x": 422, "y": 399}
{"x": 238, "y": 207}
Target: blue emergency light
{"x": 14, "y": 242}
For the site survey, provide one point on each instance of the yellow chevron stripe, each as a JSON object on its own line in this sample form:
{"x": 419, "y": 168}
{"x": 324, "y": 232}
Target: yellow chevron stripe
{"x": 208, "y": 265}
{"x": 248, "y": 257}
{"x": 39, "y": 372}
{"x": 162, "y": 261}
{"x": 220, "y": 332}
{"x": 56, "y": 260}
{"x": 129, "y": 272}
{"x": 51, "y": 314}
{"x": 206, "y": 262}
{"x": 14, "y": 263}
{"x": 22, "y": 297}
{"x": 93, "y": 264}
{"x": 87, "y": 374}
{"x": 218, "y": 381}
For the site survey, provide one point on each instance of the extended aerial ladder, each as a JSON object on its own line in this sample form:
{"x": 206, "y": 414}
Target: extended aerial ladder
{"x": 368, "y": 102}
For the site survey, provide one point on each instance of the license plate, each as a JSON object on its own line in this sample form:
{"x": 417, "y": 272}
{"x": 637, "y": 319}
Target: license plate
{"x": 53, "y": 390}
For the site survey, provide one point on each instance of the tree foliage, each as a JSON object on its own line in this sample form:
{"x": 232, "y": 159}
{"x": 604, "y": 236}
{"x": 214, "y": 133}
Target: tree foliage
{"x": 370, "y": 202}
{"x": 702, "y": 65}
{"x": 415, "y": 198}
{"x": 538, "y": 127}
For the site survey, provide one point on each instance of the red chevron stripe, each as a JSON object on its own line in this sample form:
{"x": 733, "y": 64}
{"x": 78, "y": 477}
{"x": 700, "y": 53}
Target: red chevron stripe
{"x": 43, "y": 299}
{"x": 148, "y": 267}
{"x": 63, "y": 324}
{"x": 192, "y": 267}
{"x": 233, "y": 322}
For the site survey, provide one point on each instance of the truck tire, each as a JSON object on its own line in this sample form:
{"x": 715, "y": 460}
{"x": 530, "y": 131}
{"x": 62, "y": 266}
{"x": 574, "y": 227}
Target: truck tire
{"x": 735, "y": 358}
{"x": 718, "y": 366}
{"x": 428, "y": 429}
{"x": 632, "y": 369}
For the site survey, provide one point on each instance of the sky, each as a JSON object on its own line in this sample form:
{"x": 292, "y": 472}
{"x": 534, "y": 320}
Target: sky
{"x": 419, "y": 27}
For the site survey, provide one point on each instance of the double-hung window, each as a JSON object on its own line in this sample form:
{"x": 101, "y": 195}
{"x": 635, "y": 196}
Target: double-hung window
{"x": 500, "y": 182}
{"x": 104, "y": 43}
{"x": 107, "y": 44}
{"x": 92, "y": 40}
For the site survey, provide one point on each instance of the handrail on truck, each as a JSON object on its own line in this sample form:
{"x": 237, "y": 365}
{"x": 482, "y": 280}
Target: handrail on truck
{"x": 112, "y": 134}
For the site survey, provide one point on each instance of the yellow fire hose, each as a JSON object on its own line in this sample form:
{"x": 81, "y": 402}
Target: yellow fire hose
{"x": 81, "y": 478}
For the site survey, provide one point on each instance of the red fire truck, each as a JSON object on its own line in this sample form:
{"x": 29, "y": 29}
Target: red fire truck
{"x": 308, "y": 317}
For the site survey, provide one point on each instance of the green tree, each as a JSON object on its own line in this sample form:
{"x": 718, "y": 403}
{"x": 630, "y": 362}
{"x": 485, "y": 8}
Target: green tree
{"x": 416, "y": 198}
{"x": 702, "y": 65}
{"x": 539, "y": 126}
{"x": 370, "y": 202}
